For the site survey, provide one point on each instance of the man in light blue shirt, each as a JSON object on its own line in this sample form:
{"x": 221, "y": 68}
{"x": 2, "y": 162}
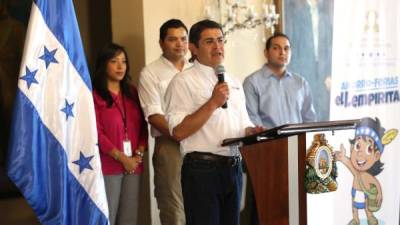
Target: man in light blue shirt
{"x": 275, "y": 96}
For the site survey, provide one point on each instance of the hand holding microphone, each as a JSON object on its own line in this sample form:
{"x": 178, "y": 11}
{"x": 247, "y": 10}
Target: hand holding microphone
{"x": 219, "y": 71}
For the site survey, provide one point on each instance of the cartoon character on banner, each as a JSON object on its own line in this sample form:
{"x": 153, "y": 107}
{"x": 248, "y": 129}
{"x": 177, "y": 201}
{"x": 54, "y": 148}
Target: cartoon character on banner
{"x": 364, "y": 163}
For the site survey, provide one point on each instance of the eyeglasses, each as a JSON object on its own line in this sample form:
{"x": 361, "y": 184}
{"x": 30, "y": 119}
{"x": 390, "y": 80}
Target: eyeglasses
{"x": 212, "y": 41}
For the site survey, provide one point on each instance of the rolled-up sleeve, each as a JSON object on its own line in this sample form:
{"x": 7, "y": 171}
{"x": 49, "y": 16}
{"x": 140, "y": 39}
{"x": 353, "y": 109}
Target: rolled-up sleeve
{"x": 149, "y": 96}
{"x": 178, "y": 102}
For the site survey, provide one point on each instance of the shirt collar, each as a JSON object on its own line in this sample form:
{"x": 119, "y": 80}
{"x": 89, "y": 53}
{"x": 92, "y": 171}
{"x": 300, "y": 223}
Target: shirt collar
{"x": 268, "y": 73}
{"x": 169, "y": 63}
{"x": 204, "y": 68}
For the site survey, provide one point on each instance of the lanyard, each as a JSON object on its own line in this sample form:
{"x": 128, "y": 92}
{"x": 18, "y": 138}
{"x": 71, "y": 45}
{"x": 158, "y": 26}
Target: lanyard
{"x": 123, "y": 113}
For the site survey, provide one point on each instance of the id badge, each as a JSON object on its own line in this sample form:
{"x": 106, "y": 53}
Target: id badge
{"x": 127, "y": 148}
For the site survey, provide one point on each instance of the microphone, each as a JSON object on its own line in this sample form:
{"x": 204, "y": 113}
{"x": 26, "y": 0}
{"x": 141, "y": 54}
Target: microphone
{"x": 220, "y": 70}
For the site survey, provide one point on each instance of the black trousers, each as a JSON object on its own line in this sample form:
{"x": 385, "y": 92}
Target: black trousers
{"x": 211, "y": 187}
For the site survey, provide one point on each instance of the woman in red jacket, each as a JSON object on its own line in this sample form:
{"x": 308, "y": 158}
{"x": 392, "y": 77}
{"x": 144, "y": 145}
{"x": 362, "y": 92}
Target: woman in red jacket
{"x": 122, "y": 132}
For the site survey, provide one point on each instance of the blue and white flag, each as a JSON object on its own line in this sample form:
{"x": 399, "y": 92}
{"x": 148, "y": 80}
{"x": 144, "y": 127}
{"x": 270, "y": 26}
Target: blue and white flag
{"x": 53, "y": 155}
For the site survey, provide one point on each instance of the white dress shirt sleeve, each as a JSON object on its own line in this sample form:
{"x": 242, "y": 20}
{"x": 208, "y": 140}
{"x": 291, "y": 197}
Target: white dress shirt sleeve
{"x": 178, "y": 102}
{"x": 246, "y": 121}
{"x": 149, "y": 96}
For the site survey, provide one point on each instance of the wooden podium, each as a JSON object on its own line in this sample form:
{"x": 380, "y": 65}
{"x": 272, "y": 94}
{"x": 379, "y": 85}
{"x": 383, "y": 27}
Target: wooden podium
{"x": 275, "y": 161}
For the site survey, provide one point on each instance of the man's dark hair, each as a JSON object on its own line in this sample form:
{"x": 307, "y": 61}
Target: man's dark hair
{"x": 275, "y": 35}
{"x": 172, "y": 23}
{"x": 197, "y": 28}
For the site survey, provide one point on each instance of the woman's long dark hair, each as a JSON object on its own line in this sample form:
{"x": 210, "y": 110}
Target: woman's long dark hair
{"x": 108, "y": 52}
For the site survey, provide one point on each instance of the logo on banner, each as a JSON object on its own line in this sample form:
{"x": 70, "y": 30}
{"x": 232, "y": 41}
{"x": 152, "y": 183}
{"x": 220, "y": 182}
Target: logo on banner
{"x": 371, "y": 21}
{"x": 368, "y": 92}
{"x": 366, "y": 149}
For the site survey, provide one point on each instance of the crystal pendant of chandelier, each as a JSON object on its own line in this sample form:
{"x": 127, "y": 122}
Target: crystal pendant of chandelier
{"x": 237, "y": 14}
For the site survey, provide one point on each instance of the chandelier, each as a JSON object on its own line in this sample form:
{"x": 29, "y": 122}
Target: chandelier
{"x": 237, "y": 14}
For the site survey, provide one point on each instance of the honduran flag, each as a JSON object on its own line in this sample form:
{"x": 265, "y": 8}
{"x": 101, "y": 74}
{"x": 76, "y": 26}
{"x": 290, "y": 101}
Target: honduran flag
{"x": 53, "y": 152}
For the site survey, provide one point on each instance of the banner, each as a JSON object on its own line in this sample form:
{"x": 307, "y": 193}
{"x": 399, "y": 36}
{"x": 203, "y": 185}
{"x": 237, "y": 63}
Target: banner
{"x": 365, "y": 83}
{"x": 53, "y": 154}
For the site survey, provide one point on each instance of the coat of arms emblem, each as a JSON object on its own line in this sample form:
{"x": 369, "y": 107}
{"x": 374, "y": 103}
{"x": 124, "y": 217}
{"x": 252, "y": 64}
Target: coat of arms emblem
{"x": 321, "y": 169}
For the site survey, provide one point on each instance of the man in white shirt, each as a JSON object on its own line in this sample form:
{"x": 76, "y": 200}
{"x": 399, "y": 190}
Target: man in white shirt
{"x": 211, "y": 174}
{"x": 153, "y": 82}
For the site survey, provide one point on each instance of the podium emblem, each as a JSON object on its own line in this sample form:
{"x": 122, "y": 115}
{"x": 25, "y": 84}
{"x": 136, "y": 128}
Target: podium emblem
{"x": 321, "y": 170}
{"x": 323, "y": 162}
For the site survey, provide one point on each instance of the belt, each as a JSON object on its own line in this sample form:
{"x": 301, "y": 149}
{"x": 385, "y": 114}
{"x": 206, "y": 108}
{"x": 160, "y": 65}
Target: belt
{"x": 219, "y": 159}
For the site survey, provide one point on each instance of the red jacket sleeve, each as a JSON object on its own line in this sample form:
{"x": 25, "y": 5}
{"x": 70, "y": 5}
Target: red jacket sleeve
{"x": 143, "y": 138}
{"x": 105, "y": 145}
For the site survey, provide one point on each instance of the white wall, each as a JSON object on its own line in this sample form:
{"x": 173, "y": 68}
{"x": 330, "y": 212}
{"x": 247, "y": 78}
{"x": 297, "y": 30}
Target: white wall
{"x": 243, "y": 51}
{"x": 127, "y": 30}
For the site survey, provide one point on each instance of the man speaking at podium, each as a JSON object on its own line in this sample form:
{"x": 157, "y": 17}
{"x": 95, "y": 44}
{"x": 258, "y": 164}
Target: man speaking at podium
{"x": 211, "y": 174}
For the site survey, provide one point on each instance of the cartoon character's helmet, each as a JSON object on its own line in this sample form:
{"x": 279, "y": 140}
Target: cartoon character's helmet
{"x": 371, "y": 128}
